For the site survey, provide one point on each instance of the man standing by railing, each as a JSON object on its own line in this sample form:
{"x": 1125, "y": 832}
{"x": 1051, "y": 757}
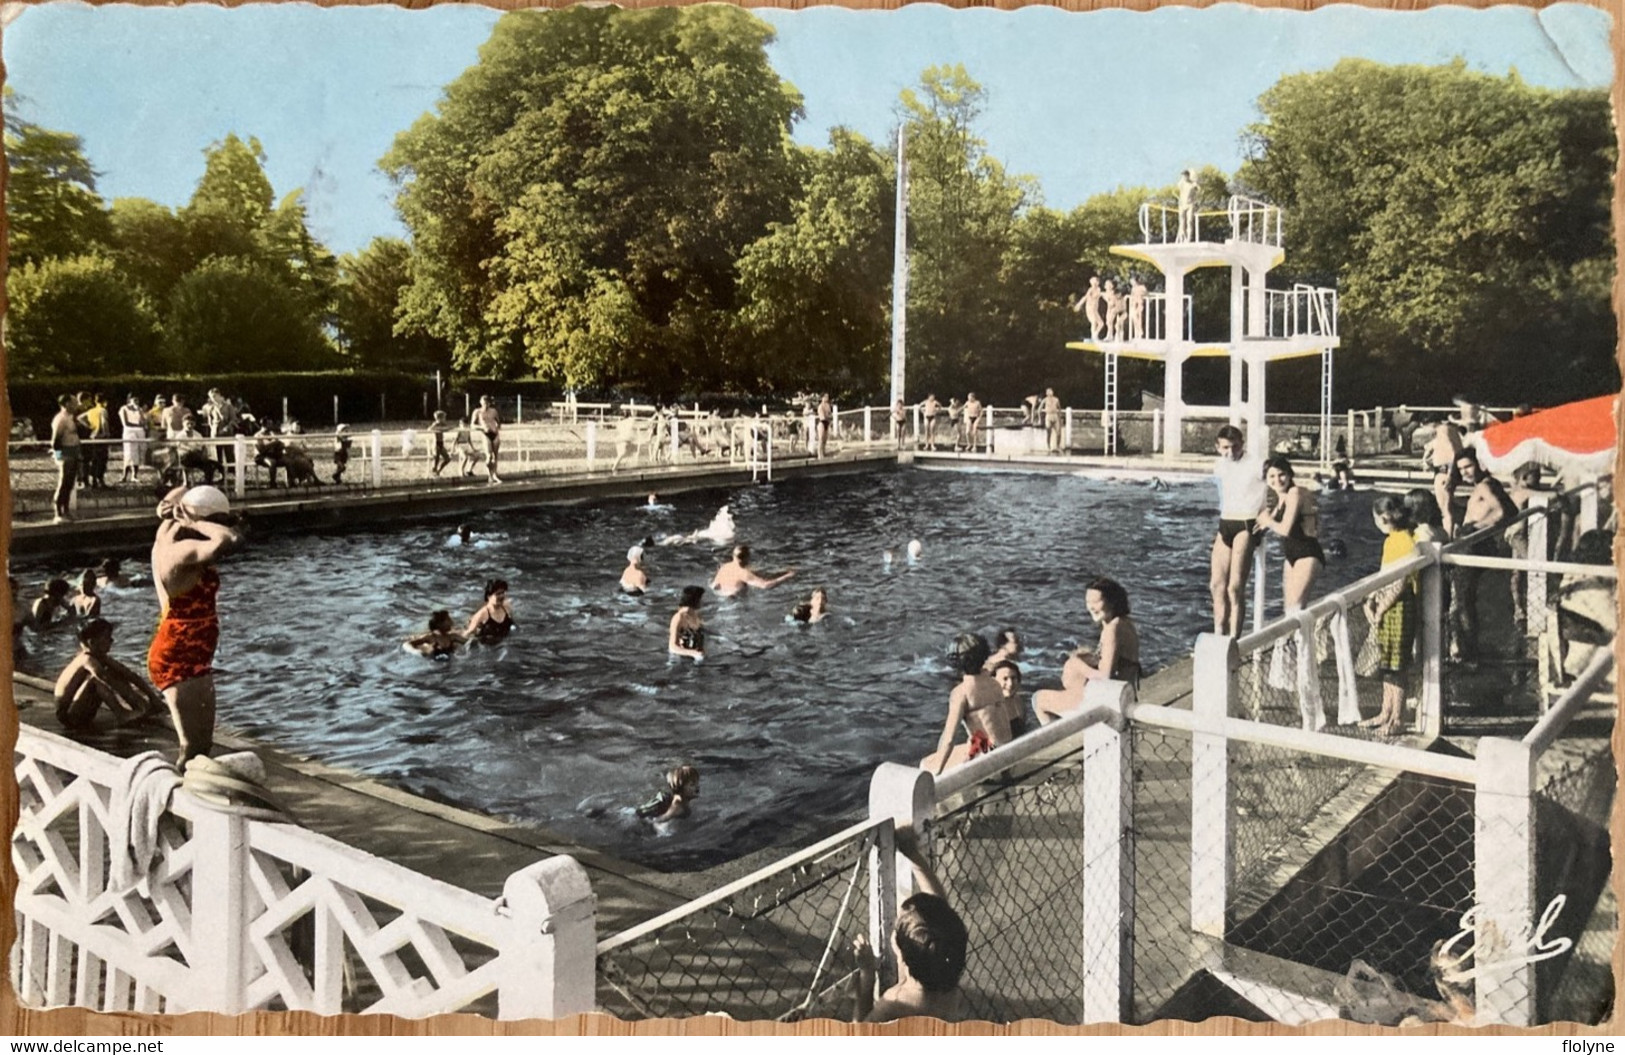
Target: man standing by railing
{"x": 1242, "y": 490}
{"x": 1487, "y": 505}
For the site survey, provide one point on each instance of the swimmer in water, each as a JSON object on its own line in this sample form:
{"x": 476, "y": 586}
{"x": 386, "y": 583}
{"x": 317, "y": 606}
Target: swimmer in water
{"x": 887, "y": 557}
{"x": 94, "y": 678}
{"x": 720, "y": 531}
{"x": 442, "y": 639}
{"x": 654, "y": 499}
{"x": 737, "y": 574}
{"x": 682, "y": 786}
{"x": 52, "y": 608}
{"x": 812, "y": 610}
{"x": 86, "y": 605}
{"x": 109, "y": 574}
{"x": 915, "y": 550}
{"x": 461, "y": 537}
{"x": 634, "y": 580}
{"x": 491, "y": 624}
{"x": 1009, "y": 643}
{"x": 687, "y": 636}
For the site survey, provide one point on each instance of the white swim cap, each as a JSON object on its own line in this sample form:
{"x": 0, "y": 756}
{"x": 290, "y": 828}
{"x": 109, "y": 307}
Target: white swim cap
{"x": 915, "y": 548}
{"x": 634, "y": 554}
{"x": 205, "y": 501}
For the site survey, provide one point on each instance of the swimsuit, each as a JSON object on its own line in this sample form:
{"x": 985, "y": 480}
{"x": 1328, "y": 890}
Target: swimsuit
{"x": 183, "y": 648}
{"x": 1295, "y": 545}
{"x": 980, "y": 744}
{"x": 691, "y": 638}
{"x": 1229, "y": 529}
{"x": 491, "y": 631}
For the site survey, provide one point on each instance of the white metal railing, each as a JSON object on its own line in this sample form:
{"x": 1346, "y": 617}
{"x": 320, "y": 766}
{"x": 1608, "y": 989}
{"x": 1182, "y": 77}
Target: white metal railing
{"x": 1302, "y": 311}
{"x": 237, "y": 914}
{"x": 1255, "y": 221}
{"x": 1159, "y": 223}
{"x": 1156, "y": 320}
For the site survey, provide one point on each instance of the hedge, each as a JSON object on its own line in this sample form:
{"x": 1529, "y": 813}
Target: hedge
{"x": 363, "y": 396}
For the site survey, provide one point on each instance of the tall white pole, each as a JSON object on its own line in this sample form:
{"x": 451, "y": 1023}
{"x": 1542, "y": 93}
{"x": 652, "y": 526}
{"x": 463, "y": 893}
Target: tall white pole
{"x": 899, "y": 282}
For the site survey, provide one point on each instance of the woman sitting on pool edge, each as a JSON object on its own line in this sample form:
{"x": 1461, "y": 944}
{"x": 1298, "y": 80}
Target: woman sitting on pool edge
{"x": 441, "y": 640}
{"x": 977, "y": 702}
{"x": 1118, "y": 658}
{"x": 491, "y": 624}
{"x": 687, "y": 637}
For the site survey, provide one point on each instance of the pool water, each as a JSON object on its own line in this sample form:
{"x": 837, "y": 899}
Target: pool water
{"x": 572, "y": 721}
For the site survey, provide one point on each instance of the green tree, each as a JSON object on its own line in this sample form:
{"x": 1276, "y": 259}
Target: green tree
{"x": 815, "y": 288}
{"x": 149, "y": 245}
{"x": 1465, "y": 219}
{"x": 52, "y": 207}
{"x": 580, "y": 197}
{"x": 368, "y": 302}
{"x": 230, "y": 314}
{"x": 77, "y": 315}
{"x": 962, "y": 213}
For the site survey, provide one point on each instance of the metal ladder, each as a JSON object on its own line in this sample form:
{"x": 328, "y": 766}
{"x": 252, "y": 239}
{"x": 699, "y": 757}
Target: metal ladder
{"x": 1326, "y": 408}
{"x": 1111, "y": 403}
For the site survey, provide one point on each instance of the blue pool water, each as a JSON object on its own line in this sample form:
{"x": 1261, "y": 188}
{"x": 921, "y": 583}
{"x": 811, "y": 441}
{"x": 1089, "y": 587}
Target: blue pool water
{"x": 571, "y": 722}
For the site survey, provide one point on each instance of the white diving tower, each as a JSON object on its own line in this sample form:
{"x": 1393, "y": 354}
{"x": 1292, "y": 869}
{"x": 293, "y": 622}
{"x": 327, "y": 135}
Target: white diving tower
{"x": 1266, "y": 325}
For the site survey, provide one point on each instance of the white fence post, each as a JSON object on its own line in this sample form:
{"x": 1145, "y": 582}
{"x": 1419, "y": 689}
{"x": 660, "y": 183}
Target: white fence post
{"x": 867, "y": 434}
{"x": 1350, "y": 452}
{"x": 1108, "y": 857}
{"x": 908, "y": 795}
{"x": 916, "y": 424}
{"x": 550, "y": 955}
{"x": 1156, "y": 429}
{"x": 1066, "y": 438}
{"x": 377, "y": 458}
{"x": 239, "y": 470}
{"x": 675, "y": 442}
{"x": 1430, "y": 698}
{"x": 987, "y": 431}
{"x": 1504, "y": 871}
{"x": 220, "y": 888}
{"x": 1213, "y": 687}
{"x": 1259, "y": 588}
{"x": 1538, "y": 548}
{"x": 1588, "y": 510}
{"x": 592, "y": 444}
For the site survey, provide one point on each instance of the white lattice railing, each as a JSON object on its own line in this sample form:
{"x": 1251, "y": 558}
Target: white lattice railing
{"x": 240, "y": 914}
{"x": 1302, "y": 311}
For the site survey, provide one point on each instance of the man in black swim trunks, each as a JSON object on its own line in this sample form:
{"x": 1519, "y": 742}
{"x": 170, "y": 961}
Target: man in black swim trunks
{"x": 489, "y": 421}
{"x": 1241, "y": 497}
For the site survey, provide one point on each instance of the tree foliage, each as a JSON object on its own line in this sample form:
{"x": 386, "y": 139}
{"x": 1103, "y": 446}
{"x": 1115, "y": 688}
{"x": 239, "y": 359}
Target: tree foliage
{"x": 580, "y": 197}
{"x": 1464, "y": 217}
{"x": 231, "y": 312}
{"x": 77, "y": 315}
{"x": 367, "y": 304}
{"x": 52, "y": 207}
{"x": 814, "y": 312}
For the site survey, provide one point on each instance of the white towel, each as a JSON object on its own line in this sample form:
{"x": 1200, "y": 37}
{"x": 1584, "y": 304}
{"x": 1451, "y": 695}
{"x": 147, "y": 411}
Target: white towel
{"x": 1348, "y": 694}
{"x": 1310, "y": 704}
{"x": 140, "y": 800}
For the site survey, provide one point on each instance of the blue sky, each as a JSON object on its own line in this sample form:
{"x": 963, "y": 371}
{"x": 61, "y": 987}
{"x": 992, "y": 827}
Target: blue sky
{"x": 1085, "y": 102}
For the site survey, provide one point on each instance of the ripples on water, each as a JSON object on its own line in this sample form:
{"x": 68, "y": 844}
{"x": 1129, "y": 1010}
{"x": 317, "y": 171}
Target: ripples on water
{"x": 574, "y": 719}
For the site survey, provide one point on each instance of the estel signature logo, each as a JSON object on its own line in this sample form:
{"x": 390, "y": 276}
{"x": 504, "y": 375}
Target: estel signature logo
{"x": 1535, "y": 944}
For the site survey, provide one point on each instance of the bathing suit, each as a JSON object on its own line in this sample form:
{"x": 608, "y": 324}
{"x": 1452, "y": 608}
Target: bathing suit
{"x": 980, "y": 744}
{"x": 1018, "y": 726}
{"x": 491, "y": 437}
{"x": 1229, "y": 529}
{"x": 443, "y": 650}
{"x": 1295, "y": 545}
{"x": 188, "y": 632}
{"x": 630, "y": 592}
{"x": 491, "y": 631}
{"x": 691, "y": 638}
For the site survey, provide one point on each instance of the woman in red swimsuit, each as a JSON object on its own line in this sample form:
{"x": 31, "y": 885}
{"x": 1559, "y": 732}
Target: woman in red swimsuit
{"x": 195, "y": 528}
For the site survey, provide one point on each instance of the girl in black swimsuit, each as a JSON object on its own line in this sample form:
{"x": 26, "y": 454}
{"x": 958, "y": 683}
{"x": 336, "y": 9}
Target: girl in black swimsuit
{"x": 1295, "y": 521}
{"x": 441, "y": 640}
{"x": 687, "y": 635}
{"x": 494, "y": 620}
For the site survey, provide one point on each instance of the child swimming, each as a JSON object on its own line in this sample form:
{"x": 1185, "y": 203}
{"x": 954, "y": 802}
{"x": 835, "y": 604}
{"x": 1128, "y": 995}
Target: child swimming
{"x": 682, "y": 786}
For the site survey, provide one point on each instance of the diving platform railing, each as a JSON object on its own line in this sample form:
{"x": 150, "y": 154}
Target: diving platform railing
{"x": 1302, "y": 311}
{"x": 1242, "y": 219}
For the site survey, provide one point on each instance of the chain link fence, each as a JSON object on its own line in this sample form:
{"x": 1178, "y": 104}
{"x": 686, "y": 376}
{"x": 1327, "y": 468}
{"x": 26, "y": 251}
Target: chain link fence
{"x": 1161, "y": 831}
{"x": 1378, "y": 873}
{"x": 1574, "y": 794}
{"x": 776, "y": 945}
{"x": 1010, "y": 853}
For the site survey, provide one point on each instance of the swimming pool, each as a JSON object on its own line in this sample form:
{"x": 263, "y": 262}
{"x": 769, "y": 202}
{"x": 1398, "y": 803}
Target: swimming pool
{"x": 571, "y": 722}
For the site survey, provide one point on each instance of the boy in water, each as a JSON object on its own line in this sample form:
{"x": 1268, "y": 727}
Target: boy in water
{"x": 682, "y": 786}
{"x": 93, "y": 678}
